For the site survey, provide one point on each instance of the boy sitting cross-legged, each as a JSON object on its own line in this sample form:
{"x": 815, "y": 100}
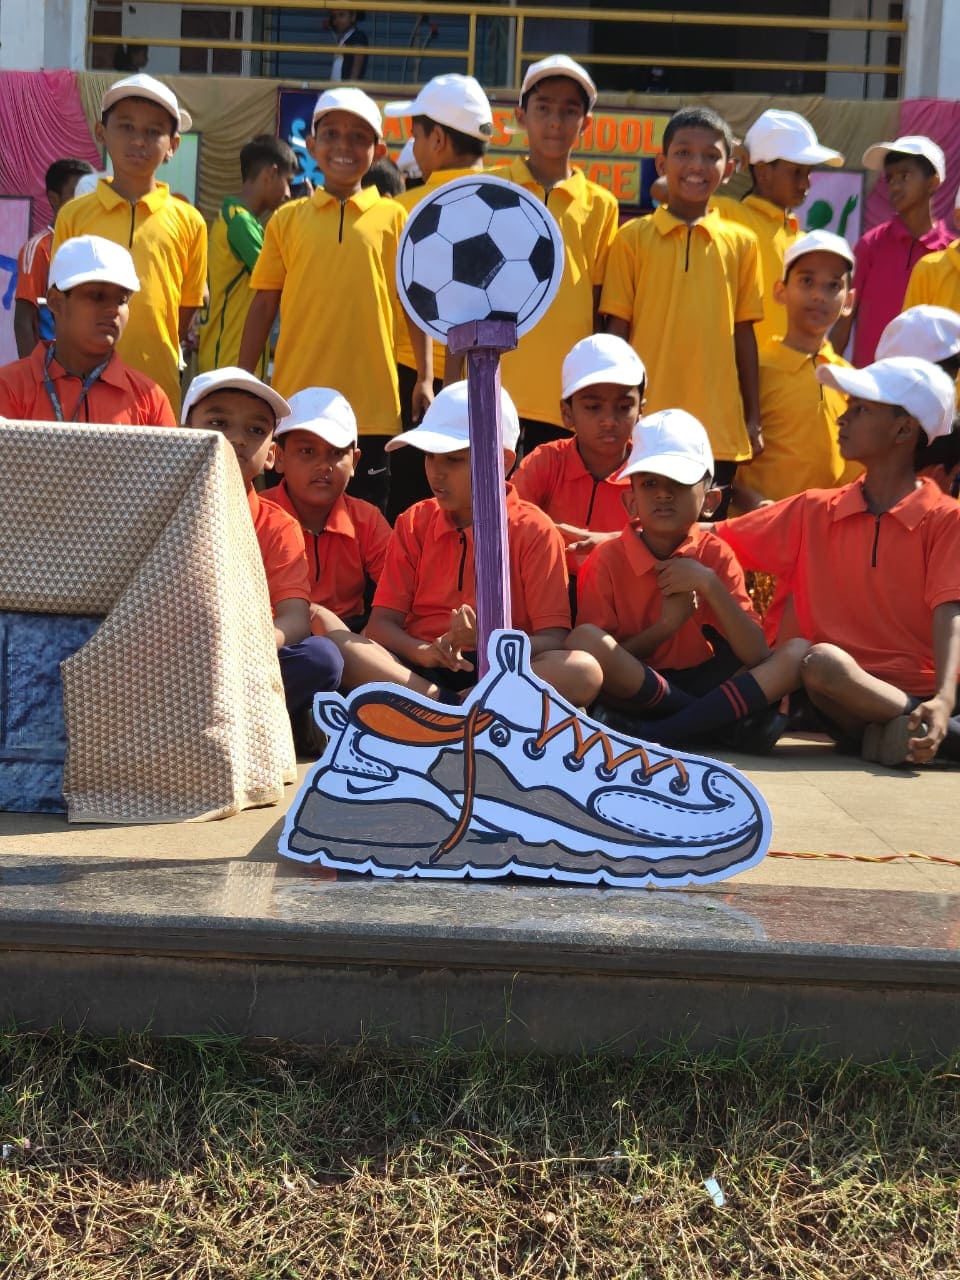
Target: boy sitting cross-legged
{"x": 246, "y": 411}
{"x": 424, "y": 608}
{"x": 346, "y": 537}
{"x": 577, "y": 480}
{"x": 664, "y": 610}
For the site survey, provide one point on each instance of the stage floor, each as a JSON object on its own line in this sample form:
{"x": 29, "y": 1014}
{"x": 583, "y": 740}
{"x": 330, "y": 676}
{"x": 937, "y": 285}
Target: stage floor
{"x": 201, "y": 927}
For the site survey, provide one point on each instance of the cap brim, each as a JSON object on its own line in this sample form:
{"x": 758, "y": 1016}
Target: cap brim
{"x": 273, "y": 398}
{"x": 818, "y": 155}
{"x": 428, "y": 440}
{"x": 183, "y": 118}
{"x": 672, "y": 465}
{"x": 398, "y": 110}
{"x": 87, "y": 277}
{"x": 556, "y": 73}
{"x": 619, "y": 376}
{"x": 333, "y": 433}
{"x": 852, "y": 382}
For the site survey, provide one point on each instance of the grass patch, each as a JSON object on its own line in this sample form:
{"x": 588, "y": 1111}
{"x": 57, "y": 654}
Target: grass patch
{"x": 132, "y": 1159}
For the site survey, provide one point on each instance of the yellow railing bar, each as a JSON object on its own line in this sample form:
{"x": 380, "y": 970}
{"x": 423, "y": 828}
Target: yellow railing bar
{"x": 800, "y": 21}
{"x": 471, "y": 43}
{"x": 518, "y": 52}
{"x": 606, "y": 59}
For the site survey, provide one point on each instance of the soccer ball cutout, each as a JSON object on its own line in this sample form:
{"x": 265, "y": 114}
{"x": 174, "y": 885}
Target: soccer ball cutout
{"x": 479, "y": 249}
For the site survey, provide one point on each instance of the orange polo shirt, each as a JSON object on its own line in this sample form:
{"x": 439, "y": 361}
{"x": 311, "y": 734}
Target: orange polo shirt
{"x": 429, "y": 569}
{"x": 682, "y": 289}
{"x": 281, "y": 545}
{"x": 617, "y": 591}
{"x": 120, "y": 396}
{"x": 348, "y": 550}
{"x": 866, "y": 583}
{"x": 33, "y": 267}
{"x": 555, "y": 478}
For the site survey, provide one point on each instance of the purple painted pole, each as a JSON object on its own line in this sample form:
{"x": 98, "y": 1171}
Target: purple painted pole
{"x": 482, "y": 341}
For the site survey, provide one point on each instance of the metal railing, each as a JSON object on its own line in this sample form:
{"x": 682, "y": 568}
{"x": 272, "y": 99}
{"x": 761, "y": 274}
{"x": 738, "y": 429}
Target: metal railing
{"x": 520, "y": 15}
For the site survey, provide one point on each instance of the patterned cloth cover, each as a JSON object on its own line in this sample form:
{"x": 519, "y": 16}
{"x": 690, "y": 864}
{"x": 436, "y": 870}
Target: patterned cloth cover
{"x": 174, "y": 709}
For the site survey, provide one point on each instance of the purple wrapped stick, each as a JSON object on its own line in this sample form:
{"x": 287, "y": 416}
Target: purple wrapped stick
{"x": 483, "y": 341}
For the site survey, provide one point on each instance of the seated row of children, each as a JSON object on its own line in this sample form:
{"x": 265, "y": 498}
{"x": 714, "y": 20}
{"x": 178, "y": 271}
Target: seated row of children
{"x": 665, "y": 633}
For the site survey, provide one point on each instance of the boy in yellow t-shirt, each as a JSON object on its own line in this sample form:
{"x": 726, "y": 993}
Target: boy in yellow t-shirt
{"x": 683, "y": 287}
{"x": 556, "y": 99}
{"x": 140, "y": 126}
{"x": 267, "y": 165}
{"x": 797, "y": 413}
{"x": 328, "y": 264}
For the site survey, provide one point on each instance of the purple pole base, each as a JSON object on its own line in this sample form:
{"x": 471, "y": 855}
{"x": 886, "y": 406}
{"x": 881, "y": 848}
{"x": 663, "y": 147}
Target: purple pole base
{"x": 482, "y": 342}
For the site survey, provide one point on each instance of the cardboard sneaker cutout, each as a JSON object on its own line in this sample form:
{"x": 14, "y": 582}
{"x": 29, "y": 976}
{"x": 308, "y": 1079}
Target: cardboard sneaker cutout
{"x": 515, "y": 780}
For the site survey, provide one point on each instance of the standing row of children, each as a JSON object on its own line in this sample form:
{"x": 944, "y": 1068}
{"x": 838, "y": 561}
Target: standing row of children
{"x": 683, "y": 286}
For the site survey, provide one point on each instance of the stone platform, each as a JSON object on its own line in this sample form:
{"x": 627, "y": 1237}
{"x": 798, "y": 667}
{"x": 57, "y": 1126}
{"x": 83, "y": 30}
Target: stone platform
{"x": 200, "y": 928}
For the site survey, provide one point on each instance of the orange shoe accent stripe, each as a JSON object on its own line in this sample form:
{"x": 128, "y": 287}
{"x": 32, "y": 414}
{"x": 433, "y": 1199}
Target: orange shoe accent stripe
{"x": 412, "y": 723}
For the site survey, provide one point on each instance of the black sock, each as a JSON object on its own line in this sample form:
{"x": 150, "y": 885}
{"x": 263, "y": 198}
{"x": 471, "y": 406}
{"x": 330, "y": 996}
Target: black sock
{"x": 733, "y": 700}
{"x": 657, "y": 695}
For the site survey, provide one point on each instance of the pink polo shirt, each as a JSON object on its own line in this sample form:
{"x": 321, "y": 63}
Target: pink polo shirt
{"x": 885, "y": 257}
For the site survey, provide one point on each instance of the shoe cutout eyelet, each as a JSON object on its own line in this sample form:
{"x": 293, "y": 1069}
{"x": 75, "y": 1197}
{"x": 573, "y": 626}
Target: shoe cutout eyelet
{"x": 640, "y": 778}
{"x": 532, "y": 751}
{"x": 573, "y": 763}
{"x": 500, "y": 735}
{"x": 604, "y": 774}
{"x": 679, "y": 787}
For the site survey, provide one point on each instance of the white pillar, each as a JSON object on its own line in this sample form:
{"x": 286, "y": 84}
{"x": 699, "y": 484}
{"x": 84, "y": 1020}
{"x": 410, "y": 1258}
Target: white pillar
{"x": 21, "y": 36}
{"x": 925, "y": 53}
{"x": 65, "y": 34}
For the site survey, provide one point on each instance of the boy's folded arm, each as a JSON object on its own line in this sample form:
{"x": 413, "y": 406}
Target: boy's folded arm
{"x": 743, "y": 633}
{"x": 256, "y": 331}
{"x": 291, "y": 620}
{"x": 386, "y": 627}
{"x": 619, "y": 328}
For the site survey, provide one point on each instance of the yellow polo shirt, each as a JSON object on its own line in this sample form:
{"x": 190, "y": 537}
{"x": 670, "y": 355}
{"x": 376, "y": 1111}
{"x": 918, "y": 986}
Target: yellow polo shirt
{"x": 588, "y": 216}
{"x": 935, "y": 280}
{"x": 409, "y": 200}
{"x": 799, "y": 421}
{"x": 167, "y": 239}
{"x": 682, "y": 287}
{"x": 775, "y": 229}
{"x": 335, "y": 266}
{"x": 236, "y": 238}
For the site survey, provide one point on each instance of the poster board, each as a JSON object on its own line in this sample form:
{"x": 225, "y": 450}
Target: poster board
{"x": 15, "y": 214}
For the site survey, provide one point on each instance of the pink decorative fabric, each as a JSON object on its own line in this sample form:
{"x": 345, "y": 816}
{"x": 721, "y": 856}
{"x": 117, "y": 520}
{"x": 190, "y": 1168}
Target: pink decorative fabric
{"x": 936, "y": 119}
{"x": 41, "y": 120}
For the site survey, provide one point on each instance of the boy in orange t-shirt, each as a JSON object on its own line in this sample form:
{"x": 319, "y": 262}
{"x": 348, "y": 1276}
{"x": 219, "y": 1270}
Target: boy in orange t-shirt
{"x": 346, "y": 537}
{"x": 664, "y": 610}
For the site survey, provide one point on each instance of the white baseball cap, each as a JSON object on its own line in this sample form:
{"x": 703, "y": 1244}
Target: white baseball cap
{"x": 783, "y": 135}
{"x": 144, "y": 86}
{"x": 231, "y": 379}
{"x": 817, "y": 242}
{"x": 452, "y": 100}
{"x": 558, "y": 64}
{"x": 918, "y": 386}
{"x": 88, "y": 183}
{"x": 355, "y": 101}
{"x": 913, "y": 144}
{"x": 406, "y": 161}
{"x": 928, "y": 333}
{"x": 601, "y": 358}
{"x": 670, "y": 443}
{"x": 445, "y": 427}
{"x": 86, "y": 258}
{"x": 324, "y": 413}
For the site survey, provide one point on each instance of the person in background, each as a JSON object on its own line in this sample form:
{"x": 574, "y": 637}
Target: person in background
{"x": 350, "y": 65}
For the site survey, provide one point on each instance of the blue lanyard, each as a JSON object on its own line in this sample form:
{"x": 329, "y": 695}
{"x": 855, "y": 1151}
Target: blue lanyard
{"x": 51, "y": 390}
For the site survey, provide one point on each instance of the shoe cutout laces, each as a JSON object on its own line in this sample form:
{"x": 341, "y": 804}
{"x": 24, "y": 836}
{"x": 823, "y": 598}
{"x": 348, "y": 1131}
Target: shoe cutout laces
{"x": 477, "y": 720}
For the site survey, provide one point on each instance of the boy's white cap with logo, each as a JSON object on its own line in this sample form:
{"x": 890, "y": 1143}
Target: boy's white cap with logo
{"x": 324, "y": 413}
{"x": 818, "y": 242}
{"x": 87, "y": 258}
{"x": 558, "y": 64}
{"x": 231, "y": 379}
{"x": 143, "y": 86}
{"x": 670, "y": 443}
{"x": 456, "y": 101}
{"x": 928, "y": 333}
{"x": 918, "y": 386}
{"x": 911, "y": 144}
{"x": 354, "y": 101}
{"x": 87, "y": 183}
{"x": 601, "y": 358}
{"x": 445, "y": 427}
{"x": 784, "y": 135}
